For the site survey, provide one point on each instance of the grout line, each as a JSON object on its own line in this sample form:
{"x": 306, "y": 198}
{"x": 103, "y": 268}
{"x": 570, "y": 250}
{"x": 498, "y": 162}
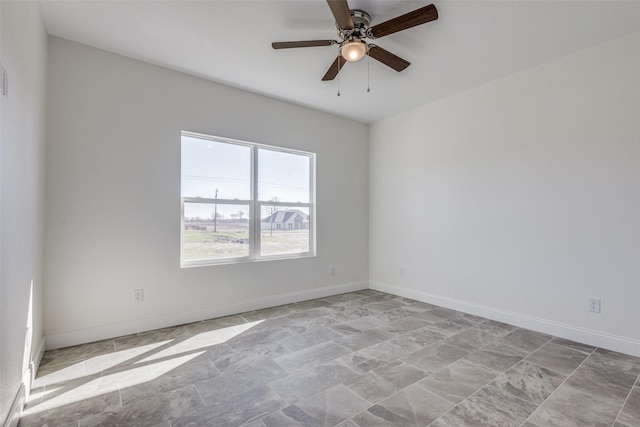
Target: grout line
{"x": 199, "y": 395}
{"x": 637, "y": 382}
{"x": 489, "y": 383}
{"x": 120, "y": 396}
{"x": 559, "y": 385}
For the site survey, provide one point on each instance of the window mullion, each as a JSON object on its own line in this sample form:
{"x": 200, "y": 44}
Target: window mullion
{"x": 254, "y": 238}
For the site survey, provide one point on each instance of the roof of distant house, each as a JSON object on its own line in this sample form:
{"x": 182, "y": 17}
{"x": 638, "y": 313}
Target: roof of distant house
{"x": 283, "y": 216}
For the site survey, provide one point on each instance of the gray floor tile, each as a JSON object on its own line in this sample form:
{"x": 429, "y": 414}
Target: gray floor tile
{"x": 308, "y": 325}
{"x": 418, "y": 339}
{"x": 458, "y": 381}
{"x": 385, "y": 351}
{"x": 570, "y": 407}
{"x": 558, "y": 358}
{"x": 359, "y": 325}
{"x": 355, "y": 311}
{"x": 279, "y": 419}
{"x": 471, "y": 339}
{"x": 601, "y": 383}
{"x": 529, "y": 382}
{"x": 363, "y": 358}
{"x": 308, "y": 382}
{"x": 525, "y": 340}
{"x": 630, "y": 414}
{"x": 395, "y": 314}
{"x": 497, "y": 329}
{"x": 170, "y": 376}
{"x": 309, "y": 304}
{"x": 451, "y": 325}
{"x": 309, "y": 339}
{"x": 490, "y": 407}
{"x": 247, "y": 406}
{"x": 435, "y": 315}
{"x": 235, "y": 381}
{"x": 327, "y": 408}
{"x": 66, "y": 406}
{"x": 404, "y": 325}
{"x": 384, "y": 381}
{"x": 359, "y": 362}
{"x": 364, "y": 339}
{"x": 229, "y": 361}
{"x": 420, "y": 307}
{"x": 497, "y": 356}
{"x": 215, "y": 324}
{"x": 348, "y": 423}
{"x": 386, "y": 305}
{"x": 434, "y": 358}
{"x": 174, "y": 403}
{"x": 267, "y": 313}
{"x": 411, "y": 407}
{"x": 256, "y": 338}
{"x": 77, "y": 353}
{"x": 168, "y": 335}
{"x": 310, "y": 356}
{"x": 584, "y": 348}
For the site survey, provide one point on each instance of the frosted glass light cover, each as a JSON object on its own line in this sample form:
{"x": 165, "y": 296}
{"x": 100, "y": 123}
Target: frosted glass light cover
{"x": 354, "y": 50}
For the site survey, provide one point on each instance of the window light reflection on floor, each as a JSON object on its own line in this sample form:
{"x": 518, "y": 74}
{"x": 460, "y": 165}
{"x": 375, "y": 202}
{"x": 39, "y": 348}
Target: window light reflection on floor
{"x": 74, "y": 383}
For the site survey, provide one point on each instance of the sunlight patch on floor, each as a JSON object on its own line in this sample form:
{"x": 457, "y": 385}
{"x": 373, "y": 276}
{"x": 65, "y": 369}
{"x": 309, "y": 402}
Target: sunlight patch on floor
{"x": 77, "y": 391}
{"x": 66, "y": 386}
{"x": 203, "y": 340}
{"x": 94, "y": 365}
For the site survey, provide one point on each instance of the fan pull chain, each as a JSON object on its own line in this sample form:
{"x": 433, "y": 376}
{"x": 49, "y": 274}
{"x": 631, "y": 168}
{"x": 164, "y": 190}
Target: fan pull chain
{"x": 338, "y": 67}
{"x": 368, "y": 77}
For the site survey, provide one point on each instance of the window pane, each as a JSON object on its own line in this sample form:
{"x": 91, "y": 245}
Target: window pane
{"x": 284, "y": 230}
{"x": 210, "y": 166}
{"x": 283, "y": 177}
{"x": 215, "y": 231}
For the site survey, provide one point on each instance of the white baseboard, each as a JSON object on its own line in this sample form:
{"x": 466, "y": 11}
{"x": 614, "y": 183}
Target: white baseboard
{"x": 563, "y": 330}
{"x": 20, "y": 400}
{"x": 37, "y": 358}
{"x": 13, "y": 417}
{"x": 98, "y": 333}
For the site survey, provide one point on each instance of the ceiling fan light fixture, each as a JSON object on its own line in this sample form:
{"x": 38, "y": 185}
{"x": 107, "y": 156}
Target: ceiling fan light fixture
{"x": 353, "y": 50}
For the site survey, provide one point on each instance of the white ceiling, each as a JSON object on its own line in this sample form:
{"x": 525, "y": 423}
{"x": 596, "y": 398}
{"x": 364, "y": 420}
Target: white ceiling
{"x": 472, "y": 42}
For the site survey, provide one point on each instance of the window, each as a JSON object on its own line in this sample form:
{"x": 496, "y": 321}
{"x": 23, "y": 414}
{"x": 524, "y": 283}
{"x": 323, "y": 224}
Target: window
{"x": 243, "y": 201}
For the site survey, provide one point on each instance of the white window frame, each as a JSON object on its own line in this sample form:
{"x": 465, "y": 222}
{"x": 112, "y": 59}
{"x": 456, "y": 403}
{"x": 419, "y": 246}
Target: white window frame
{"x": 255, "y": 206}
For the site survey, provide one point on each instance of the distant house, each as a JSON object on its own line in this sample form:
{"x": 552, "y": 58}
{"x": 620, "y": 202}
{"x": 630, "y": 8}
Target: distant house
{"x": 290, "y": 219}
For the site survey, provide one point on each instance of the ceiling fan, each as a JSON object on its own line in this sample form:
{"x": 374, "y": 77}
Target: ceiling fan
{"x": 354, "y": 26}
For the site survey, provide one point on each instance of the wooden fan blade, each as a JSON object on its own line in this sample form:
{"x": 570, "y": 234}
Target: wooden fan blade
{"x": 417, "y": 17}
{"x": 335, "y": 68}
{"x": 340, "y": 10}
{"x": 304, "y": 43}
{"x": 388, "y": 58}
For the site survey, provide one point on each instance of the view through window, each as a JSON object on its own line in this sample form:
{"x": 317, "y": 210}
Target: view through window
{"x": 243, "y": 201}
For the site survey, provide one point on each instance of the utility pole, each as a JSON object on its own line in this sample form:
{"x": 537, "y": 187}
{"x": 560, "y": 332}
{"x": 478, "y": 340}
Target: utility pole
{"x": 215, "y": 214}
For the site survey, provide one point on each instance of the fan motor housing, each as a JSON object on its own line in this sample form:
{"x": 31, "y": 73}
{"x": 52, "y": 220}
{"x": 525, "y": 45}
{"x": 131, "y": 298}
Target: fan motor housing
{"x": 361, "y": 21}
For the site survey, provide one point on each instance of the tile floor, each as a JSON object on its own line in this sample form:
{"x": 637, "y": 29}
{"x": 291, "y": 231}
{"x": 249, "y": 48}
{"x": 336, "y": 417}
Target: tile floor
{"x": 358, "y": 359}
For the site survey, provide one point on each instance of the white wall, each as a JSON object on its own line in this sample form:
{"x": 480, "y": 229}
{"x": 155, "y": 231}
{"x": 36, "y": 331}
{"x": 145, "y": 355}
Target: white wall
{"x": 519, "y": 200}
{"x": 22, "y": 126}
{"x": 113, "y": 197}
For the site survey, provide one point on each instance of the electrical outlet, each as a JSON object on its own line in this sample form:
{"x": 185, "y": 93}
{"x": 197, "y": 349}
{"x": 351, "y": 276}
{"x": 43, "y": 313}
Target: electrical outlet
{"x": 333, "y": 271}
{"x": 594, "y": 305}
{"x": 401, "y": 271}
{"x": 4, "y": 81}
{"x": 138, "y": 295}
